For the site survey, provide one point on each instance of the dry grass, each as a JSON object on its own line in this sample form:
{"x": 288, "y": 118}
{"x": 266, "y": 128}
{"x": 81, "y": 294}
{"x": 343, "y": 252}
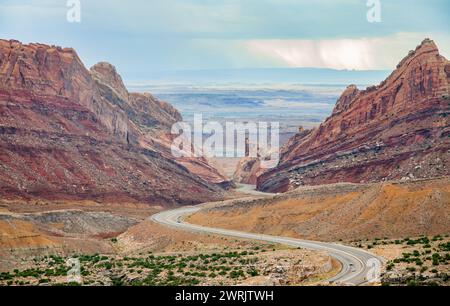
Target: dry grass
{"x": 331, "y": 213}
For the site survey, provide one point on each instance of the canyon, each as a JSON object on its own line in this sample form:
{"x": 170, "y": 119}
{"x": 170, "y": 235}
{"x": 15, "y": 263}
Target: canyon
{"x": 84, "y": 164}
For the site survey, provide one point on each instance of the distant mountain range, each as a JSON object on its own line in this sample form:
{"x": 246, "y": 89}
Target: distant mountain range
{"x": 262, "y": 75}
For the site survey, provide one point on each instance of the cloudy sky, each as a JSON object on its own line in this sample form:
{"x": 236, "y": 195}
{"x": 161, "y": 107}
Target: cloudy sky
{"x": 143, "y": 36}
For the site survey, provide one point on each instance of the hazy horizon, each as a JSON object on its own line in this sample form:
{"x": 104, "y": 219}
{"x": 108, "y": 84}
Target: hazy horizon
{"x": 245, "y": 76}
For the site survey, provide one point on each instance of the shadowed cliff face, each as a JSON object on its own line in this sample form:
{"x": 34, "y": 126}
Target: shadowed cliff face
{"x": 154, "y": 119}
{"x": 396, "y": 130}
{"x": 67, "y": 133}
{"x": 144, "y": 110}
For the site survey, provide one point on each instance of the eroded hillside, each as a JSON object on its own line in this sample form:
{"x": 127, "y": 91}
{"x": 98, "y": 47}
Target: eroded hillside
{"x": 398, "y": 130}
{"x": 342, "y": 211}
{"x": 70, "y": 133}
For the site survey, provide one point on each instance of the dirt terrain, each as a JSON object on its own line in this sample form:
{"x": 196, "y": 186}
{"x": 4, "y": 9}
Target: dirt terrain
{"x": 30, "y": 228}
{"x": 341, "y": 211}
{"x": 36, "y": 233}
{"x": 118, "y": 245}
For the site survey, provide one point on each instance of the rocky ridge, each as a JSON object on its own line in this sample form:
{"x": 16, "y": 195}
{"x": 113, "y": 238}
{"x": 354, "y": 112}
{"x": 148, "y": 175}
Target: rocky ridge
{"x": 398, "y": 130}
{"x": 70, "y": 133}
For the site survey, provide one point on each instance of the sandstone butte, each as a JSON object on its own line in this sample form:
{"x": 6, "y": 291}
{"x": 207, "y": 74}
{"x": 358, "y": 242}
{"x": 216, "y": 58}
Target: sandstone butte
{"x": 398, "y": 130}
{"x": 67, "y": 132}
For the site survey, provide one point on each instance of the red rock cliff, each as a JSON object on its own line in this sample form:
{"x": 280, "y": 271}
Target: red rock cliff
{"x": 396, "y": 130}
{"x": 56, "y": 72}
{"x": 67, "y": 133}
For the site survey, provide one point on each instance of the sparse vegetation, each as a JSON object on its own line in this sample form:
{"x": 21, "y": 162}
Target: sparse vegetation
{"x": 151, "y": 270}
{"x": 424, "y": 261}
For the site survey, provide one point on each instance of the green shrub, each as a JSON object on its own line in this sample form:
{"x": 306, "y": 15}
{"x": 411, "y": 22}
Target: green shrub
{"x": 445, "y": 247}
{"x": 237, "y": 274}
{"x": 44, "y": 281}
{"x": 253, "y": 272}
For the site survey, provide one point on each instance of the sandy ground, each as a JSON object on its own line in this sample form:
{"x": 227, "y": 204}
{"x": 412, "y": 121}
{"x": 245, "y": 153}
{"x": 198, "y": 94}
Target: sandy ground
{"x": 33, "y": 229}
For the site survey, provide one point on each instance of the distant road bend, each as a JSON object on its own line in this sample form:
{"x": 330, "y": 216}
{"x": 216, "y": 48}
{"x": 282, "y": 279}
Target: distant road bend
{"x": 357, "y": 264}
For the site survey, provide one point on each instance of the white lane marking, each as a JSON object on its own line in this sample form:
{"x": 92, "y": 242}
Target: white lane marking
{"x": 344, "y": 254}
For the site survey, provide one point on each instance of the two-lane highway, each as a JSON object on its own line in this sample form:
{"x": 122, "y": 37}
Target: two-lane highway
{"x": 358, "y": 266}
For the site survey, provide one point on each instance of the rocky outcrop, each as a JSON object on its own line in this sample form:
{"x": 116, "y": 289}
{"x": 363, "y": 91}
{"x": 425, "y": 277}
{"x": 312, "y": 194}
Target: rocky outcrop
{"x": 154, "y": 119}
{"x": 346, "y": 98}
{"x": 50, "y": 71}
{"x": 145, "y": 115}
{"x": 106, "y": 74}
{"x": 147, "y": 112}
{"x": 398, "y": 130}
{"x": 67, "y": 133}
{"x": 247, "y": 171}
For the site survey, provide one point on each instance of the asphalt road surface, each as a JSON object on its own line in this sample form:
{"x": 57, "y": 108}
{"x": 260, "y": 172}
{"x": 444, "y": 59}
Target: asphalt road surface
{"x": 358, "y": 266}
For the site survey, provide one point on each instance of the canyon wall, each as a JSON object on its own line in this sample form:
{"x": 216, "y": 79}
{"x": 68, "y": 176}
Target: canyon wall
{"x": 70, "y": 133}
{"x": 398, "y": 130}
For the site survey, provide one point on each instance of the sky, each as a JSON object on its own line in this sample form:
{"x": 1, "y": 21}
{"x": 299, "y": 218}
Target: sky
{"x": 141, "y": 37}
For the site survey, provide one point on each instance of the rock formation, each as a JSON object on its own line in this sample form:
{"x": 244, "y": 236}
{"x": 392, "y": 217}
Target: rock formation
{"x": 398, "y": 130}
{"x": 247, "y": 171}
{"x": 70, "y": 133}
{"x": 147, "y": 112}
{"x": 154, "y": 119}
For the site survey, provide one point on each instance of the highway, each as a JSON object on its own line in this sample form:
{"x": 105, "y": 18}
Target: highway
{"x": 358, "y": 266}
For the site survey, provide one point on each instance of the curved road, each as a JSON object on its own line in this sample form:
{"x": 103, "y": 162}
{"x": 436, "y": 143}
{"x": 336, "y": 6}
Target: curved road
{"x": 357, "y": 265}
